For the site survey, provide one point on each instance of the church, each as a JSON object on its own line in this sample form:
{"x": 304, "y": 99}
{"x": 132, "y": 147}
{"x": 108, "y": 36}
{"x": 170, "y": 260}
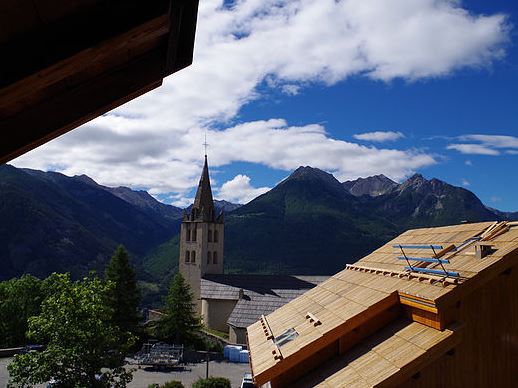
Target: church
{"x": 227, "y": 302}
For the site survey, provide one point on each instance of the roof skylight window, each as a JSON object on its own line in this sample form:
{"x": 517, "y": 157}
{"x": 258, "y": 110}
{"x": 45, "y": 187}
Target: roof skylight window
{"x": 287, "y": 336}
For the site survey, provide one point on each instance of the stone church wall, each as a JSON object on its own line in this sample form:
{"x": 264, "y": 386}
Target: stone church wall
{"x": 215, "y": 313}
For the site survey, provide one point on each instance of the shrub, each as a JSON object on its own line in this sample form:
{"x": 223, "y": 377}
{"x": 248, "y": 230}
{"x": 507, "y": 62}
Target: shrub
{"x": 214, "y": 347}
{"x": 212, "y": 382}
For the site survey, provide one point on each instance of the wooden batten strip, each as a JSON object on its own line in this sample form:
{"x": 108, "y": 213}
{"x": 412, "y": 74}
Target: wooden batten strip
{"x": 489, "y": 229}
{"x": 417, "y": 302}
{"x": 497, "y": 233}
{"x": 432, "y": 279}
{"x": 494, "y": 231}
{"x": 445, "y": 250}
{"x": 312, "y": 319}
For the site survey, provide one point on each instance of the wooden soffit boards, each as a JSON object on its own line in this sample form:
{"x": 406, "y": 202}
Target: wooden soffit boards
{"x": 66, "y": 62}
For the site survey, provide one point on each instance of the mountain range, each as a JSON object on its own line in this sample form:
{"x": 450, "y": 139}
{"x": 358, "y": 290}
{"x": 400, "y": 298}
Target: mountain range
{"x": 310, "y": 223}
{"x": 315, "y": 225}
{"x": 52, "y": 222}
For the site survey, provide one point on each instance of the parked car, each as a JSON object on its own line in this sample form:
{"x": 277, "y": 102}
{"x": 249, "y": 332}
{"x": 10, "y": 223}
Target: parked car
{"x": 248, "y": 381}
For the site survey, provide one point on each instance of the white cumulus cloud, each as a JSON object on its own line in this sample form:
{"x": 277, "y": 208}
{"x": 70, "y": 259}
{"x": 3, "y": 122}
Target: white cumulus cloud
{"x": 497, "y": 141}
{"x": 473, "y": 149}
{"x": 155, "y": 140}
{"x": 239, "y": 190}
{"x": 486, "y": 144}
{"x": 275, "y": 144}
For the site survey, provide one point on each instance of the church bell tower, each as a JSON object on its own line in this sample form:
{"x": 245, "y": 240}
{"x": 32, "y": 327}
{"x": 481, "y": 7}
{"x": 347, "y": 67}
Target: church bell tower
{"x": 201, "y": 238}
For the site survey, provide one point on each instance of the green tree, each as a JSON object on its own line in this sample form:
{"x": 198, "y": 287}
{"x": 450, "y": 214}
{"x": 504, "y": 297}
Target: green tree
{"x": 125, "y": 295}
{"x": 76, "y": 323}
{"x": 19, "y": 300}
{"x": 180, "y": 322}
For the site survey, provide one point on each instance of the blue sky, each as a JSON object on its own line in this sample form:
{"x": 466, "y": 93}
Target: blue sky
{"x": 430, "y": 113}
{"x": 274, "y": 87}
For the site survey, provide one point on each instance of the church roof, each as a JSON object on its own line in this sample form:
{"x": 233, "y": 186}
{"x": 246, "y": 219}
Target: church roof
{"x": 261, "y": 295}
{"x": 375, "y": 287}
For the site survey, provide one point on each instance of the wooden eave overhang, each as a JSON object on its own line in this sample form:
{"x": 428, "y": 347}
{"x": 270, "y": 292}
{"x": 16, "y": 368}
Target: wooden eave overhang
{"x": 66, "y": 62}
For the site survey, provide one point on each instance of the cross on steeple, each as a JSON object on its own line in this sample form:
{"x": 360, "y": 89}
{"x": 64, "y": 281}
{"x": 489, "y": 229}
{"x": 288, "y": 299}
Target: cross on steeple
{"x": 205, "y": 144}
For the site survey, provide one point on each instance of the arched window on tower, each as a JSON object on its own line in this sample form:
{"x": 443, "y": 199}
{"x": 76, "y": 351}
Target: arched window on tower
{"x": 193, "y": 234}
{"x": 187, "y": 234}
{"x": 215, "y": 258}
{"x": 187, "y": 256}
{"x": 210, "y": 235}
{"x": 193, "y": 256}
{"x": 215, "y": 236}
{"x": 208, "y": 257}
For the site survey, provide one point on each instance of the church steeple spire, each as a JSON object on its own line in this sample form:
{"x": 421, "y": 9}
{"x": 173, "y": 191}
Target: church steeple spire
{"x": 203, "y": 203}
{"x": 201, "y": 238}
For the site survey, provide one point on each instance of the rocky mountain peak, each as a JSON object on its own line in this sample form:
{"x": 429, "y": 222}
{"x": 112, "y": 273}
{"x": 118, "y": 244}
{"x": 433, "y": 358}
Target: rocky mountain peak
{"x": 308, "y": 174}
{"x": 85, "y": 179}
{"x": 417, "y": 178}
{"x": 372, "y": 186}
{"x": 416, "y": 182}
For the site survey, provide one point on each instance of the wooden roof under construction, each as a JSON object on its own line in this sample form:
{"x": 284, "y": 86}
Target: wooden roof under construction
{"x": 381, "y": 357}
{"x": 66, "y": 62}
{"x": 379, "y": 281}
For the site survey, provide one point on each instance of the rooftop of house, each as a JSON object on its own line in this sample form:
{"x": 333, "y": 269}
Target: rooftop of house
{"x": 256, "y": 295}
{"x": 364, "y": 293}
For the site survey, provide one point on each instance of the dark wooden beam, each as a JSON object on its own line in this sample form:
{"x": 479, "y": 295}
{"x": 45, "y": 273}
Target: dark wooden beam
{"x": 66, "y": 66}
{"x": 45, "y": 43}
{"x": 68, "y": 110}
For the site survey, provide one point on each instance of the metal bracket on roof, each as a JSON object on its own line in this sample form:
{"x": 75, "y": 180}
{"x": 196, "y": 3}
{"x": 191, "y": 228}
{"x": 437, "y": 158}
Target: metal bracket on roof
{"x": 404, "y": 255}
{"x": 440, "y": 261}
{"x": 434, "y": 259}
{"x": 434, "y": 271}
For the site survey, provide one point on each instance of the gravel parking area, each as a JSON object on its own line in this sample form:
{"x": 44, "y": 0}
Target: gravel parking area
{"x": 186, "y": 374}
